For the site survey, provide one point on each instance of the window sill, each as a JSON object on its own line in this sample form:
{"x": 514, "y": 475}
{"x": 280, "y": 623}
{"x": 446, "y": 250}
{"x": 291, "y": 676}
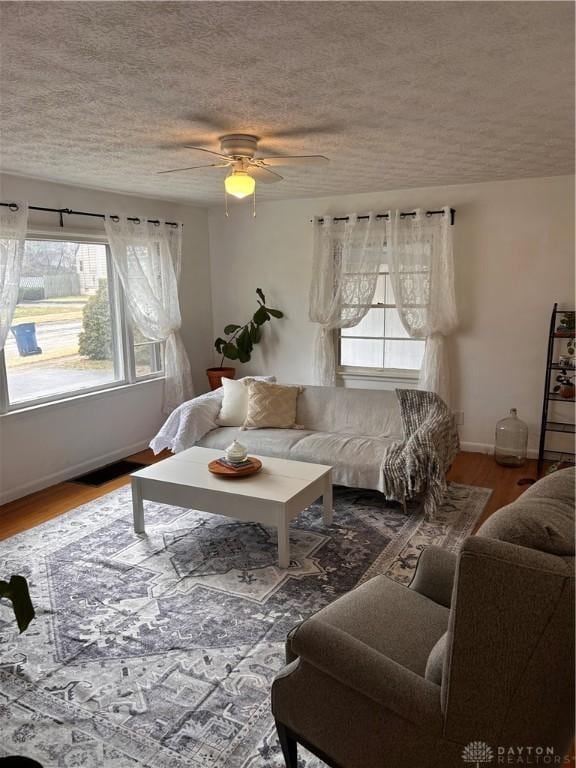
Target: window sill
{"x": 409, "y": 378}
{"x": 89, "y": 396}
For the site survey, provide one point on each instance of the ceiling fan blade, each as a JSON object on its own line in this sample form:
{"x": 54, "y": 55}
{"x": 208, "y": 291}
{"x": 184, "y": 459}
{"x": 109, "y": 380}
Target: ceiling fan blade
{"x": 194, "y": 167}
{"x": 295, "y": 160}
{"x": 264, "y": 175}
{"x": 212, "y": 121}
{"x": 302, "y": 131}
{"x": 210, "y": 151}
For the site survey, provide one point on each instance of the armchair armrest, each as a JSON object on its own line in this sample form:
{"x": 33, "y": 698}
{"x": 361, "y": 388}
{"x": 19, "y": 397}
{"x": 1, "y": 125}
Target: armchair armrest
{"x": 369, "y": 672}
{"x": 495, "y": 676}
{"x": 434, "y": 576}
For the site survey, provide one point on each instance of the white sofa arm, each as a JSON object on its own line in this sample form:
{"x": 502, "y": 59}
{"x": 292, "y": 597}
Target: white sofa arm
{"x": 189, "y": 423}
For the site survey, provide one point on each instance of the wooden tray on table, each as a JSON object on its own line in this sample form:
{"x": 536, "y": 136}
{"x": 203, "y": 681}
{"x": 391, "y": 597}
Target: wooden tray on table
{"x": 220, "y": 469}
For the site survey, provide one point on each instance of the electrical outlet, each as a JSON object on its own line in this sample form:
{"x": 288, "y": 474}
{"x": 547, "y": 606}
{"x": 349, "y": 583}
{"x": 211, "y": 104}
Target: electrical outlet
{"x": 459, "y": 416}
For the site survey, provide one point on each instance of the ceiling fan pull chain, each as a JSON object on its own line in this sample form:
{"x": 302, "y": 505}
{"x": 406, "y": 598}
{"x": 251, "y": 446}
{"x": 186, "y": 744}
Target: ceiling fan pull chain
{"x": 254, "y": 203}
{"x": 226, "y": 199}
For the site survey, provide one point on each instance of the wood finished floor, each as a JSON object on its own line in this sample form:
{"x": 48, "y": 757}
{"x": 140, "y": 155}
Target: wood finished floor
{"x": 468, "y": 468}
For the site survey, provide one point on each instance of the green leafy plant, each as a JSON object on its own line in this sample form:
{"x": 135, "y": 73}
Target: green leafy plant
{"x": 95, "y": 341}
{"x": 16, "y": 590}
{"x": 567, "y": 324}
{"x": 240, "y": 339}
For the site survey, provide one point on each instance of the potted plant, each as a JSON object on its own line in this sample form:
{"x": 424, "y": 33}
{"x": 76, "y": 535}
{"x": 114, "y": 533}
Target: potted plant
{"x": 566, "y": 330}
{"x": 566, "y": 327}
{"x": 565, "y": 387}
{"x": 240, "y": 341}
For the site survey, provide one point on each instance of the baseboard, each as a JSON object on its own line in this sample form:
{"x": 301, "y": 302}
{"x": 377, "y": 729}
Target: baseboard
{"x": 532, "y": 453}
{"x": 39, "y": 484}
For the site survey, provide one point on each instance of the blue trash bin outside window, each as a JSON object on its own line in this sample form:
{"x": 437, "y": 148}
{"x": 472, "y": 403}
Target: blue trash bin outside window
{"x": 25, "y": 335}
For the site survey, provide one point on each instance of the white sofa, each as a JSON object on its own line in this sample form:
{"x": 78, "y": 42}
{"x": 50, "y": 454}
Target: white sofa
{"x": 349, "y": 429}
{"x": 398, "y": 442}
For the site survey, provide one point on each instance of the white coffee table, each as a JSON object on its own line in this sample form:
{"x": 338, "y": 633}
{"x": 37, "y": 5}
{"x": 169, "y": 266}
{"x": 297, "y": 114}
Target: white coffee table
{"x": 274, "y": 496}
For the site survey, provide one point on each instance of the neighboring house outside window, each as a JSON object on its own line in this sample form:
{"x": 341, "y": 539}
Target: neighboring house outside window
{"x": 379, "y": 344}
{"x": 70, "y": 333}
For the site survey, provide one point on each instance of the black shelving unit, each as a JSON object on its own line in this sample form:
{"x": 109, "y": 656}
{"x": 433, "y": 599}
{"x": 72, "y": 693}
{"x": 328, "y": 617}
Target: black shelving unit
{"x": 553, "y": 425}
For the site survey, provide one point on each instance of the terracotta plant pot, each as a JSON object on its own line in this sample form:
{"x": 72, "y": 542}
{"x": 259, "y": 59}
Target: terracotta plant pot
{"x": 215, "y": 376}
{"x": 568, "y": 391}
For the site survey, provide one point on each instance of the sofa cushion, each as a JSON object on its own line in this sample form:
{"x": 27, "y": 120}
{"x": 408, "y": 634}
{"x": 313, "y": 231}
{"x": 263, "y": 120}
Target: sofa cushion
{"x": 371, "y": 413}
{"x": 435, "y": 663}
{"x": 271, "y": 406}
{"x": 542, "y": 518}
{"x": 356, "y": 459}
{"x": 266, "y": 442}
{"x": 390, "y": 618}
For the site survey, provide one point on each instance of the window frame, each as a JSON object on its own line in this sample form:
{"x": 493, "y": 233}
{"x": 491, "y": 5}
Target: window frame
{"x": 358, "y": 371}
{"x": 122, "y": 336}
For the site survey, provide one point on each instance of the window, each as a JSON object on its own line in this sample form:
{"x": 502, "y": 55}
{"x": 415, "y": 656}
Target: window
{"x": 147, "y": 355}
{"x": 379, "y": 343}
{"x": 70, "y": 332}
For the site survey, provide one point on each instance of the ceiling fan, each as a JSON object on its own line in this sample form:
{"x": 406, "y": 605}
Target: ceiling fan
{"x": 238, "y": 153}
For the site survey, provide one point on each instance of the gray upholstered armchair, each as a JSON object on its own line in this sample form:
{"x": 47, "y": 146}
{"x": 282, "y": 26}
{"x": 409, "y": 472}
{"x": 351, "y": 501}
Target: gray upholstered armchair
{"x": 479, "y": 648}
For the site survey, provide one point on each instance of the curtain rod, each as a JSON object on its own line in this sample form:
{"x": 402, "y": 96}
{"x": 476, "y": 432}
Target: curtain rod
{"x": 385, "y": 216}
{"x": 70, "y": 212}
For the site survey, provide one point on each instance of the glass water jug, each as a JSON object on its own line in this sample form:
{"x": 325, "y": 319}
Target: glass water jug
{"x": 511, "y": 441}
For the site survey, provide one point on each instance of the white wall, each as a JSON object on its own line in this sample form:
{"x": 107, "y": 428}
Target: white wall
{"x": 44, "y": 445}
{"x": 514, "y": 253}
{"x": 514, "y": 257}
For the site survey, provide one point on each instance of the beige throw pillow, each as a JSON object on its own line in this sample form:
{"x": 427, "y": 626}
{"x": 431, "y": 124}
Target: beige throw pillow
{"x": 271, "y": 406}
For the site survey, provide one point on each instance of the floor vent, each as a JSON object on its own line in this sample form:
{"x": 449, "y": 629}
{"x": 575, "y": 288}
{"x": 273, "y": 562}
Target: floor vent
{"x": 108, "y": 473}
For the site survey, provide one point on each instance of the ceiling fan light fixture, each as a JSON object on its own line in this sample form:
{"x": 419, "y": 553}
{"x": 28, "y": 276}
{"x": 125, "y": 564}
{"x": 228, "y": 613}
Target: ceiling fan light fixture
{"x": 239, "y": 184}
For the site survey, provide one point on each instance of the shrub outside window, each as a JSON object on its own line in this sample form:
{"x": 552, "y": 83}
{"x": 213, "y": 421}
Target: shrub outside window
{"x": 70, "y": 333}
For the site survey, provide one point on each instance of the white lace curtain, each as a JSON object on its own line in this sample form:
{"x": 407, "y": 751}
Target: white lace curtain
{"x": 421, "y": 266}
{"x": 347, "y": 258}
{"x": 13, "y": 225}
{"x": 418, "y": 252}
{"x": 147, "y": 257}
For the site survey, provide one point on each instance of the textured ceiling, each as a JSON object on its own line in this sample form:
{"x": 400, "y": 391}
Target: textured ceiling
{"x": 396, "y": 94}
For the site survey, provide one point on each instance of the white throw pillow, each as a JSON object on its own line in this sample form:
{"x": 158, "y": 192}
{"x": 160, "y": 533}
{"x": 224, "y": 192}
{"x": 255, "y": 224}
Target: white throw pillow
{"x": 235, "y": 400}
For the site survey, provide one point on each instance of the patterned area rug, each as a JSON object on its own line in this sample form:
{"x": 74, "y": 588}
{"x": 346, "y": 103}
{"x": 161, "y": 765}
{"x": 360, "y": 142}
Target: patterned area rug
{"x": 159, "y": 650}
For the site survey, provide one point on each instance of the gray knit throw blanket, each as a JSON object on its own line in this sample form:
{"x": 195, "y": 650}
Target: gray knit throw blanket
{"x": 418, "y": 466}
